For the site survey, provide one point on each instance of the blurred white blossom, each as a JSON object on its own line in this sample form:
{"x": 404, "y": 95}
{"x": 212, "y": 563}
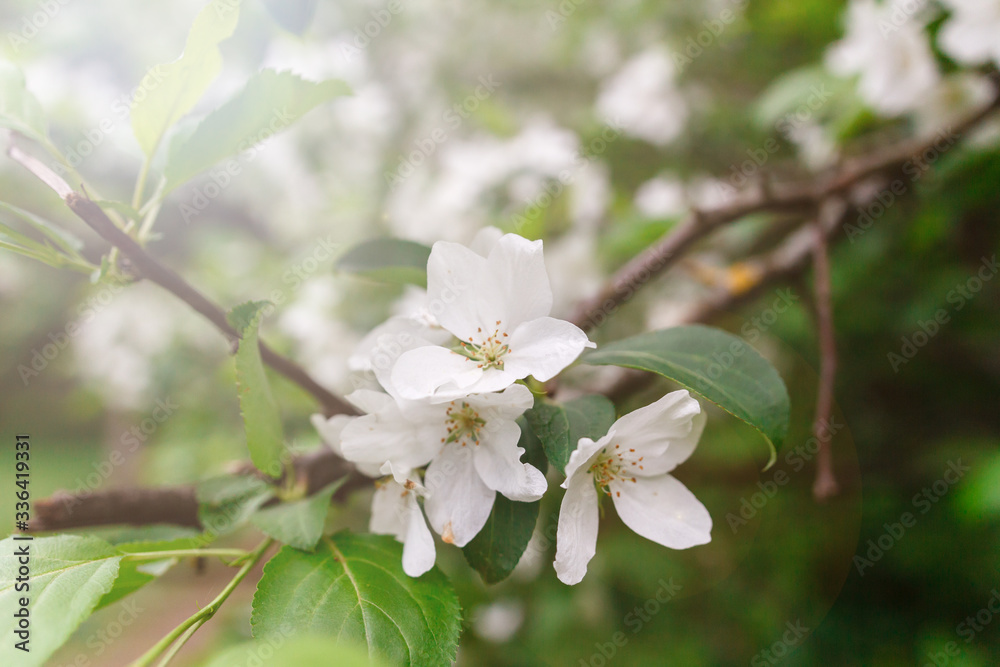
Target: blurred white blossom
{"x": 643, "y": 99}
{"x": 469, "y": 179}
{"x": 887, "y": 47}
{"x": 661, "y": 197}
{"x": 498, "y": 621}
{"x": 323, "y": 340}
{"x": 972, "y": 34}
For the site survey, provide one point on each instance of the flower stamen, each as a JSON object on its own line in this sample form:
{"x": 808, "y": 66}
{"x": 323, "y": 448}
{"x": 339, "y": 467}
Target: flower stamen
{"x": 489, "y": 353}
{"x": 463, "y": 424}
{"x": 608, "y": 467}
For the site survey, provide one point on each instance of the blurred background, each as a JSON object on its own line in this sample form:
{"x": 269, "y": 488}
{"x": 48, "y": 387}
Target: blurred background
{"x": 468, "y": 114}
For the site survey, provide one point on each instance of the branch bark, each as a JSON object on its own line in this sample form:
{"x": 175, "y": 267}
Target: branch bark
{"x": 176, "y": 505}
{"x": 151, "y": 269}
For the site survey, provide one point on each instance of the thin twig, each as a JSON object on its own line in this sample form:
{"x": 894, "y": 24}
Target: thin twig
{"x": 183, "y": 632}
{"x": 789, "y": 259}
{"x": 825, "y": 485}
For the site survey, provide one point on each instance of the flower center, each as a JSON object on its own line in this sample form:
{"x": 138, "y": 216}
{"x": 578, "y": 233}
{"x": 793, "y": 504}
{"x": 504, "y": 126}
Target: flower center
{"x": 463, "y": 424}
{"x": 489, "y": 352}
{"x": 609, "y": 466}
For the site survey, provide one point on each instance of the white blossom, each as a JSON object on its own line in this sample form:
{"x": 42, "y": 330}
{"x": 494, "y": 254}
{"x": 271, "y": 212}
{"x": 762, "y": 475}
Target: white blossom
{"x": 501, "y": 318}
{"x": 631, "y": 464}
{"x": 395, "y": 509}
{"x": 470, "y": 444}
{"x": 972, "y": 34}
{"x": 886, "y": 45}
{"x": 643, "y": 99}
{"x": 396, "y": 512}
{"x": 661, "y": 197}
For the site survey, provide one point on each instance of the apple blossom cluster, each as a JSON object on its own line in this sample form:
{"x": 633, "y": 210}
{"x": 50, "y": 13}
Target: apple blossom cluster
{"x": 440, "y": 431}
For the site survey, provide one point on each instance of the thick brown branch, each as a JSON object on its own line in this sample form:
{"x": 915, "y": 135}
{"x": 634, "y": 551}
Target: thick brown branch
{"x": 173, "y": 505}
{"x": 149, "y": 268}
{"x": 137, "y": 507}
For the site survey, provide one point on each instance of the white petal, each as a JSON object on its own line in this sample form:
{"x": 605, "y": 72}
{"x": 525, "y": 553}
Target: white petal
{"x": 586, "y": 450}
{"x": 663, "y": 510}
{"x": 678, "y": 450}
{"x": 331, "y": 431}
{"x": 459, "y": 503}
{"x": 492, "y": 380}
{"x": 517, "y": 289}
{"x": 378, "y": 351}
{"x": 650, "y": 429}
{"x": 507, "y": 404}
{"x": 387, "y": 436}
{"x": 418, "y": 544}
{"x": 419, "y": 373}
{"x": 453, "y": 278}
{"x": 543, "y": 347}
{"x": 498, "y": 461}
{"x": 402, "y": 474}
{"x": 576, "y": 536}
{"x": 389, "y": 510}
{"x": 369, "y": 400}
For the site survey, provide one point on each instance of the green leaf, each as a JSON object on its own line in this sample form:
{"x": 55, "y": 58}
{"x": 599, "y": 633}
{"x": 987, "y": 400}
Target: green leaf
{"x": 19, "y": 109}
{"x": 292, "y": 15}
{"x": 550, "y": 425}
{"x": 134, "y": 574}
{"x": 225, "y": 503}
{"x": 560, "y": 427}
{"x": 353, "y": 587}
{"x": 298, "y": 524}
{"x": 69, "y": 575}
{"x": 62, "y": 239}
{"x": 270, "y": 103}
{"x": 261, "y": 418}
{"x": 717, "y": 365}
{"x": 388, "y": 261}
{"x": 496, "y": 550}
{"x": 589, "y": 417}
{"x": 15, "y": 241}
{"x": 295, "y": 652}
{"x": 172, "y": 90}
{"x": 156, "y": 537}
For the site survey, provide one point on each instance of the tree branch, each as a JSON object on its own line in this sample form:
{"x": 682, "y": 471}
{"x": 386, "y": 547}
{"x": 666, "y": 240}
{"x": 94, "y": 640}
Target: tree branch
{"x": 145, "y": 506}
{"x": 149, "y": 268}
{"x": 788, "y": 260}
{"x": 825, "y": 485}
{"x": 176, "y": 505}
{"x": 805, "y": 196}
